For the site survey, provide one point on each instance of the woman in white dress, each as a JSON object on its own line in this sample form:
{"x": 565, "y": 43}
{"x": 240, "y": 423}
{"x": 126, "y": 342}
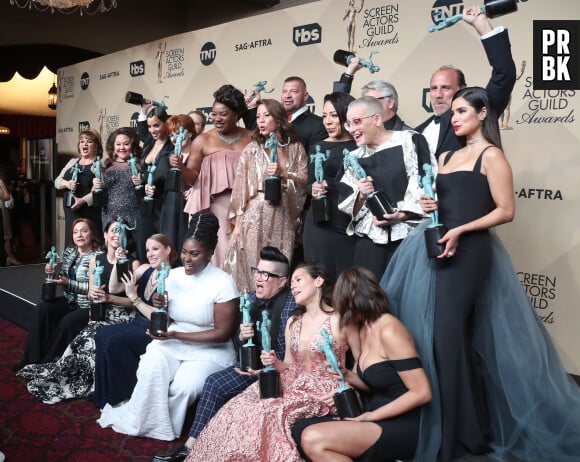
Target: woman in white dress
{"x": 203, "y": 308}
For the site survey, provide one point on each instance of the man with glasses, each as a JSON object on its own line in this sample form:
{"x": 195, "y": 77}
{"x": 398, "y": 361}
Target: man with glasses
{"x": 389, "y": 161}
{"x": 273, "y": 294}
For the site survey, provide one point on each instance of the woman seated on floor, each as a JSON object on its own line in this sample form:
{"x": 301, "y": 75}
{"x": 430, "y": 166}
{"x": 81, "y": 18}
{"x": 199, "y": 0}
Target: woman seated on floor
{"x": 119, "y": 347}
{"x": 203, "y": 304}
{"x": 72, "y": 375}
{"x": 73, "y": 276}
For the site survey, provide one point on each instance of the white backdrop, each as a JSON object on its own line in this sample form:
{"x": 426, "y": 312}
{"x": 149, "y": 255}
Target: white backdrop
{"x": 542, "y": 144}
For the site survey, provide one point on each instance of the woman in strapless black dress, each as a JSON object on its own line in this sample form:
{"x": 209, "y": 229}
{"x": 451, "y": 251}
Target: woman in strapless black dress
{"x": 392, "y": 383}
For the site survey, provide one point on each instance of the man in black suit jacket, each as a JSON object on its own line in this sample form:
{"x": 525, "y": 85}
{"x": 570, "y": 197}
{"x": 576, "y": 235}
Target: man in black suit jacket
{"x": 447, "y": 80}
{"x": 294, "y": 97}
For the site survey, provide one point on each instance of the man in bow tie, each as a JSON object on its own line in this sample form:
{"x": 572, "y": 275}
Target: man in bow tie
{"x": 273, "y": 294}
{"x": 446, "y": 80}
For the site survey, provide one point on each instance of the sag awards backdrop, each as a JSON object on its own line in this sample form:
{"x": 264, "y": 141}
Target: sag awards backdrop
{"x": 539, "y": 129}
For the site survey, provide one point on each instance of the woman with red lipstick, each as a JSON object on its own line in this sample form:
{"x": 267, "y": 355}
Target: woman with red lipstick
{"x": 71, "y": 374}
{"x": 256, "y": 221}
{"x": 118, "y": 183}
{"x": 89, "y": 148}
{"x": 203, "y": 307}
{"x": 73, "y": 276}
{"x": 498, "y": 382}
{"x": 327, "y": 242}
{"x": 212, "y": 164}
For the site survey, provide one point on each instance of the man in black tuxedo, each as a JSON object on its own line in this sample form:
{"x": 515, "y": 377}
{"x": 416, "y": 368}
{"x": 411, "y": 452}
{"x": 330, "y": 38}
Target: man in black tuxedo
{"x": 294, "y": 97}
{"x": 447, "y": 80}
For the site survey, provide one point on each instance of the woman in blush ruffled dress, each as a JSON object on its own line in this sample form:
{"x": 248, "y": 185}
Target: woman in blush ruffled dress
{"x": 328, "y": 242}
{"x": 215, "y": 155}
{"x": 260, "y": 429}
{"x": 257, "y": 222}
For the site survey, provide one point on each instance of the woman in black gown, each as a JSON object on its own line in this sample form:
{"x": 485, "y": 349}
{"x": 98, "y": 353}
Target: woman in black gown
{"x": 327, "y": 242}
{"x": 486, "y": 353}
{"x": 388, "y": 374}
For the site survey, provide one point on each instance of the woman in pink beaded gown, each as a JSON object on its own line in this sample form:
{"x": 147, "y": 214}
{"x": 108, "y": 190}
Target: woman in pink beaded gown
{"x": 250, "y": 429}
{"x": 212, "y": 161}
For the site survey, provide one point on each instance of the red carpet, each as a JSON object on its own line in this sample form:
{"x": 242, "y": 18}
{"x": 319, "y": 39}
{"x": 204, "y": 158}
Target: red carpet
{"x": 34, "y": 432}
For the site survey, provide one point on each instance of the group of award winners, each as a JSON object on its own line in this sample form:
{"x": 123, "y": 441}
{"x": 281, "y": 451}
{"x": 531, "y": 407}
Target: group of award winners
{"x": 302, "y": 240}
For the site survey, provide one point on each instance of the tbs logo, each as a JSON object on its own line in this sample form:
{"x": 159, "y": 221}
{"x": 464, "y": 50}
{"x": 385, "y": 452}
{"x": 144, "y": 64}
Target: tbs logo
{"x": 307, "y": 34}
{"x": 84, "y": 126}
{"x": 85, "y": 81}
{"x": 137, "y": 68}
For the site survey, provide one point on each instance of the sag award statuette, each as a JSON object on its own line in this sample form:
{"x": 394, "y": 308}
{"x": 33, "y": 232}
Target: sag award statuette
{"x": 435, "y": 230}
{"x": 49, "y": 287}
{"x": 345, "y": 397}
{"x": 376, "y": 201}
{"x": 68, "y": 198}
{"x": 269, "y": 377}
{"x": 122, "y": 264}
{"x": 98, "y": 192}
{"x": 320, "y": 206}
{"x": 147, "y": 202}
{"x": 491, "y": 8}
{"x": 248, "y": 351}
{"x": 159, "y": 319}
{"x": 344, "y": 58}
{"x": 173, "y": 180}
{"x": 97, "y": 307}
{"x": 273, "y": 184}
{"x": 134, "y": 170}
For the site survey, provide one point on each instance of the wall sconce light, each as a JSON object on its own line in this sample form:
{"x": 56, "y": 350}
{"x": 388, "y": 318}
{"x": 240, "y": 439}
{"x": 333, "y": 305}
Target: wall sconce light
{"x": 52, "y": 97}
{"x": 4, "y": 130}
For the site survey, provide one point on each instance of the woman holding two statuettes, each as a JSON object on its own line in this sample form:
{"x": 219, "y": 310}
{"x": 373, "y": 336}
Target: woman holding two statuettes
{"x": 497, "y": 381}
{"x": 328, "y": 242}
{"x": 203, "y": 305}
{"x": 72, "y": 374}
{"x": 89, "y": 147}
{"x": 118, "y": 182}
{"x": 256, "y": 221}
{"x": 215, "y": 155}
{"x": 262, "y": 426}
{"x": 73, "y": 276}
{"x": 388, "y": 375}
{"x": 119, "y": 347}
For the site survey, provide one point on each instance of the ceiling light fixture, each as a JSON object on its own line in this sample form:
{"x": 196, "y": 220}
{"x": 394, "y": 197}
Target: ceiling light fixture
{"x": 52, "y": 96}
{"x": 90, "y": 7}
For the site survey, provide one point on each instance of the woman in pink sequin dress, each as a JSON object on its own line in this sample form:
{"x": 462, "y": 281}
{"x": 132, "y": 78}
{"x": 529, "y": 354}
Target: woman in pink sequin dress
{"x": 248, "y": 428}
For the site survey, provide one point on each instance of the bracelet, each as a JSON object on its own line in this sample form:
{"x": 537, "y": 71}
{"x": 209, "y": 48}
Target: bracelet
{"x": 136, "y": 301}
{"x": 347, "y": 75}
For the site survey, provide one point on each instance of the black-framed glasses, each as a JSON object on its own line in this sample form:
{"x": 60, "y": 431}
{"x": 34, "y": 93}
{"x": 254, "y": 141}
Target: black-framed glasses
{"x": 264, "y": 275}
{"x": 383, "y": 97}
{"x": 356, "y": 122}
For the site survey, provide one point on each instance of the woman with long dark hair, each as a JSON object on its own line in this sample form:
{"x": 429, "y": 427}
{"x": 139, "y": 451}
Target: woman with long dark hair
{"x": 257, "y": 222}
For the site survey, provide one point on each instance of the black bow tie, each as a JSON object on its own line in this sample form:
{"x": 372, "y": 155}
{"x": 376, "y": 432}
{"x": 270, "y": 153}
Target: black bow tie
{"x": 436, "y": 119}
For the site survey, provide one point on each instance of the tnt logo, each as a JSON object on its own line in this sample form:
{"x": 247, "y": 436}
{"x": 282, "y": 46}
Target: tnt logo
{"x": 137, "y": 68}
{"x": 307, "y": 34}
{"x": 207, "y": 53}
{"x": 85, "y": 80}
{"x": 84, "y": 126}
{"x": 557, "y": 55}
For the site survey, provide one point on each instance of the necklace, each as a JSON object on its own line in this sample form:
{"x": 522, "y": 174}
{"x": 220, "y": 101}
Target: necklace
{"x": 474, "y": 140}
{"x": 229, "y": 141}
